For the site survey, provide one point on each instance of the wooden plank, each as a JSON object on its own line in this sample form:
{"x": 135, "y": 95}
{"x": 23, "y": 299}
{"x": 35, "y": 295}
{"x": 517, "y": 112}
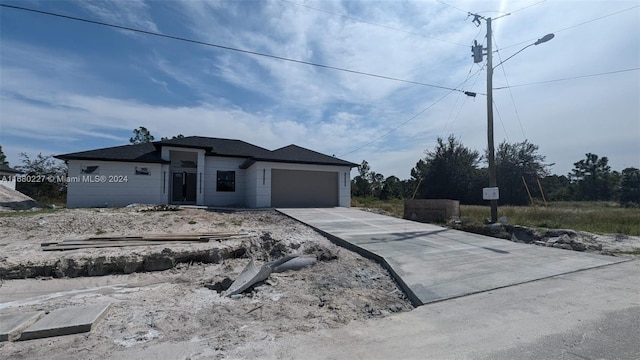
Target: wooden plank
{"x": 143, "y": 240}
{"x": 75, "y": 246}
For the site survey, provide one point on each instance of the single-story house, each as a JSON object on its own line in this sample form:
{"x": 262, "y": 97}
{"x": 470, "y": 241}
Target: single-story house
{"x": 8, "y": 176}
{"x": 207, "y": 171}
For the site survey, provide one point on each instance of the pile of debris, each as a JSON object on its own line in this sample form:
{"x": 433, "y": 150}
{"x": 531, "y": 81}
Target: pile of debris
{"x": 562, "y": 239}
{"x": 15, "y": 200}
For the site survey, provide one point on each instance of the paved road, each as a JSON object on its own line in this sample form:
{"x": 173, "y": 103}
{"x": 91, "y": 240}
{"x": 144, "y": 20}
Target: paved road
{"x": 433, "y": 263}
{"x": 592, "y": 314}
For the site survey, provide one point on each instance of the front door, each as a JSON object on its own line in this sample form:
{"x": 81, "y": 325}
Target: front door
{"x": 183, "y": 187}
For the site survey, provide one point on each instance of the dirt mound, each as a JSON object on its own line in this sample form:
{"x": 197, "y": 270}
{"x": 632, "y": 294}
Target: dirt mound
{"x": 15, "y": 200}
{"x": 183, "y": 303}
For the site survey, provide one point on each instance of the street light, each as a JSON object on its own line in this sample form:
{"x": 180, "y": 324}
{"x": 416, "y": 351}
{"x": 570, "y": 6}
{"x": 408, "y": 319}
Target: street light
{"x": 492, "y": 193}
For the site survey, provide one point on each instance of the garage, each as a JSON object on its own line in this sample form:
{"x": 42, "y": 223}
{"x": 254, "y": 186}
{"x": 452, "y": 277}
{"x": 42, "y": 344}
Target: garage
{"x": 298, "y": 188}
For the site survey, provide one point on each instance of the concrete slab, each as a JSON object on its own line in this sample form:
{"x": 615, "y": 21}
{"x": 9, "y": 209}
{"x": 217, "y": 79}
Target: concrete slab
{"x": 433, "y": 263}
{"x": 67, "y": 321}
{"x": 11, "y": 325}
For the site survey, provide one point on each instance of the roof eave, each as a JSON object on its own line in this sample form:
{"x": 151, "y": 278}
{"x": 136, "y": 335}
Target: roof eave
{"x": 63, "y": 157}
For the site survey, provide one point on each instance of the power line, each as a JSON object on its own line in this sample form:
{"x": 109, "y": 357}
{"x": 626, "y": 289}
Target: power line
{"x": 449, "y": 125}
{"x": 411, "y": 118}
{"x": 227, "y": 47}
{"x": 501, "y": 122}
{"x": 513, "y": 101}
{"x": 398, "y": 126}
{"x": 569, "y": 78}
{"x": 576, "y": 25}
{"x": 371, "y": 23}
{"x": 526, "y": 7}
{"x": 453, "y": 7}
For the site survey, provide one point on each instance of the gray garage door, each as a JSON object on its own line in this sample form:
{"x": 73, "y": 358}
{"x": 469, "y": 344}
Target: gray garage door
{"x": 296, "y": 188}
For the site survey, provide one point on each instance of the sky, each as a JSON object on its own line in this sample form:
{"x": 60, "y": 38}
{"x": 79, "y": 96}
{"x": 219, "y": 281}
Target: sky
{"x": 68, "y": 86}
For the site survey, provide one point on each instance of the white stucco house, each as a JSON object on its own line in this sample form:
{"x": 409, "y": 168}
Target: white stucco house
{"x": 8, "y": 177}
{"x": 207, "y": 171}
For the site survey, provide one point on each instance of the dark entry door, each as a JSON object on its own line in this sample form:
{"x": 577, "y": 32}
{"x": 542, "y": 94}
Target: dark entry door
{"x": 184, "y": 187}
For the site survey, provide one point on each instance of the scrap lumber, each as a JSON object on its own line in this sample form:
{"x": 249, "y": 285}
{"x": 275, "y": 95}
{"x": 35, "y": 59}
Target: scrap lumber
{"x": 137, "y": 240}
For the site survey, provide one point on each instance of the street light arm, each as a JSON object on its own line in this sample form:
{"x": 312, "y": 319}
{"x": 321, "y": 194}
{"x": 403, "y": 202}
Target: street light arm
{"x": 519, "y": 51}
{"x": 543, "y": 39}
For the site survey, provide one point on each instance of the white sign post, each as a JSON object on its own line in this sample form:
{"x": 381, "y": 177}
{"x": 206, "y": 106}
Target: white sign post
{"x": 491, "y": 193}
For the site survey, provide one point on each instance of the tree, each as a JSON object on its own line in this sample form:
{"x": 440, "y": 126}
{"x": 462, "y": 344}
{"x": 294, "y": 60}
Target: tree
{"x": 630, "y": 186}
{"x": 47, "y": 175}
{"x": 3, "y": 158}
{"x": 179, "y": 136}
{"x": 592, "y": 179}
{"x": 515, "y": 162}
{"x": 360, "y": 185}
{"x": 448, "y": 171}
{"x": 142, "y": 135}
{"x": 556, "y": 188}
{"x": 391, "y": 188}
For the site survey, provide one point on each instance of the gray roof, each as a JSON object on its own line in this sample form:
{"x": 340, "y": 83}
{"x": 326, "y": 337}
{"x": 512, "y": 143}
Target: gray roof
{"x": 299, "y": 155}
{"x": 217, "y": 146}
{"x": 150, "y": 152}
{"x": 6, "y": 169}
{"x": 144, "y": 153}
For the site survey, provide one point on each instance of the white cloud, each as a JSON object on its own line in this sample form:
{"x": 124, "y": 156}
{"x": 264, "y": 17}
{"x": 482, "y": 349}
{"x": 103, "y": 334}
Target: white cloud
{"x": 213, "y": 92}
{"x": 130, "y": 13}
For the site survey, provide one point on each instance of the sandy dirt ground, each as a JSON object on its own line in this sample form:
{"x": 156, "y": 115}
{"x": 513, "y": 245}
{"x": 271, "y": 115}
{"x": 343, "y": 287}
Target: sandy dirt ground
{"x": 179, "y": 305}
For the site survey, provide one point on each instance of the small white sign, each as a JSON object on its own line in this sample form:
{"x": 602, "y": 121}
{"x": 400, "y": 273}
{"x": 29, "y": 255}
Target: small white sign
{"x": 490, "y": 193}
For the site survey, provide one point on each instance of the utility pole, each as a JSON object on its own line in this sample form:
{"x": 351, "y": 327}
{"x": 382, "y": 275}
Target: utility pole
{"x": 492, "y": 193}
{"x": 492, "y": 160}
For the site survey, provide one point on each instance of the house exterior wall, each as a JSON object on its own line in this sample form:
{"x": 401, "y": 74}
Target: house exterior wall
{"x": 213, "y": 197}
{"x": 260, "y": 179}
{"x": 122, "y": 183}
{"x": 114, "y": 184}
{"x": 8, "y": 180}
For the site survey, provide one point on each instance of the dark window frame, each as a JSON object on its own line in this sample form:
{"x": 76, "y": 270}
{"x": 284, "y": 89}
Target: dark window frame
{"x": 226, "y": 181}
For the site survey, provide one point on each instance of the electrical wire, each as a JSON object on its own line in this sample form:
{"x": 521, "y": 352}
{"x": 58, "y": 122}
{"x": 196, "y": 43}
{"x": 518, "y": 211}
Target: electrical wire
{"x": 172, "y": 37}
{"x": 372, "y": 23}
{"x": 576, "y": 25}
{"x": 513, "y": 101}
{"x": 411, "y": 118}
{"x": 398, "y": 126}
{"x": 526, "y": 7}
{"x": 453, "y": 7}
{"x": 449, "y": 123}
{"x": 568, "y": 78}
{"x": 495, "y": 107}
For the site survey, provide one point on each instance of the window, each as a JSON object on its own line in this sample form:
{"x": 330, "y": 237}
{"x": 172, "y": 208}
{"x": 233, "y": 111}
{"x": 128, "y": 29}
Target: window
{"x": 226, "y": 181}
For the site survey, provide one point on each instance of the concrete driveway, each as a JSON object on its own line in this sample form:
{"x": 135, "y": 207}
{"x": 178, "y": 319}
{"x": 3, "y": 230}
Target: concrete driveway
{"x": 433, "y": 263}
{"x": 593, "y": 314}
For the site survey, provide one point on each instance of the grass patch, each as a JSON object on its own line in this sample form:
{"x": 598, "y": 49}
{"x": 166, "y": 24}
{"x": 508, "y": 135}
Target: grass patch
{"x": 600, "y": 217}
{"x": 192, "y": 222}
{"x": 595, "y": 217}
{"x": 100, "y": 232}
{"x": 630, "y": 252}
{"x": 393, "y": 206}
{"x": 27, "y": 212}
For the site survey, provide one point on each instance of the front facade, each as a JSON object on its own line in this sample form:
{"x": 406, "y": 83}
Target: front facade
{"x": 209, "y": 172}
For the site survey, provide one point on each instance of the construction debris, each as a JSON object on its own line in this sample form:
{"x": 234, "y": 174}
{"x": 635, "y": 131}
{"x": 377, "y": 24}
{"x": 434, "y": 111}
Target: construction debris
{"x": 252, "y": 275}
{"x": 159, "y": 208}
{"x": 137, "y": 240}
{"x": 66, "y": 321}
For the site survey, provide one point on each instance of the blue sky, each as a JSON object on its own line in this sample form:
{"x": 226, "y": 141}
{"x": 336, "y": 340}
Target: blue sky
{"x": 69, "y": 86}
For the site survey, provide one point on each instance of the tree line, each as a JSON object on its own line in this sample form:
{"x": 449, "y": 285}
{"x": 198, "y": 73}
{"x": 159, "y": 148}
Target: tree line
{"x": 452, "y": 171}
